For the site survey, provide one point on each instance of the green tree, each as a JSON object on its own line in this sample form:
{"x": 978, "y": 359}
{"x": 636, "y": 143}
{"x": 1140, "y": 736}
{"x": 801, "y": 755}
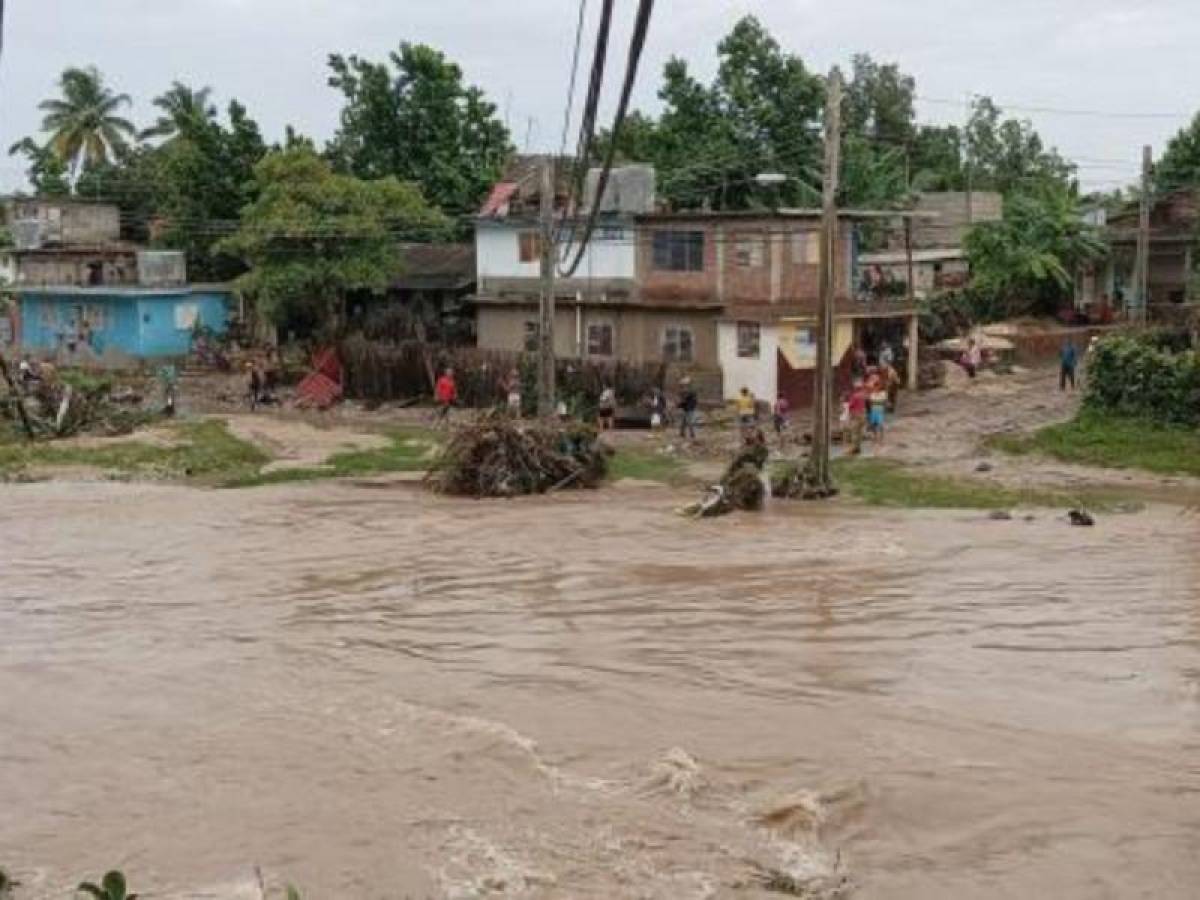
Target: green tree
{"x": 82, "y": 124}
{"x": 185, "y": 112}
{"x": 203, "y": 181}
{"x": 879, "y": 102}
{"x": 186, "y": 193}
{"x": 413, "y": 117}
{"x": 1007, "y": 155}
{"x": 1026, "y": 262}
{"x": 760, "y": 114}
{"x": 937, "y": 159}
{"x": 313, "y": 236}
{"x": 47, "y": 173}
{"x": 1180, "y": 164}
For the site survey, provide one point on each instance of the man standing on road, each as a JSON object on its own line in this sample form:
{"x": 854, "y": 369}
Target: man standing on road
{"x": 688, "y": 402}
{"x": 1069, "y": 357}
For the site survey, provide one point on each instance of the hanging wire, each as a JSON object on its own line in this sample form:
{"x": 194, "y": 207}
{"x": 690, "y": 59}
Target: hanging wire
{"x": 636, "y": 45}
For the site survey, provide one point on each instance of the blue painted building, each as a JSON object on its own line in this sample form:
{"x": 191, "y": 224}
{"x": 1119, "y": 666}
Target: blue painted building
{"x": 117, "y": 321}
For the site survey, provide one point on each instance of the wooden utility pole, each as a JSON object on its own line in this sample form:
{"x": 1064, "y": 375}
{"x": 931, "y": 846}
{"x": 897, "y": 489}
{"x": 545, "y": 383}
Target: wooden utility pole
{"x": 823, "y": 385}
{"x": 969, "y": 159}
{"x": 911, "y": 298}
{"x": 546, "y": 387}
{"x": 1142, "y": 266}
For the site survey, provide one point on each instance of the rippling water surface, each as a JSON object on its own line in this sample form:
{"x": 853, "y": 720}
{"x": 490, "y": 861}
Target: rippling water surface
{"x": 382, "y": 694}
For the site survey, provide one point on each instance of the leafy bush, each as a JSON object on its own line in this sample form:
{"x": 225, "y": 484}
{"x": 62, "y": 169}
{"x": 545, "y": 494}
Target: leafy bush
{"x": 1135, "y": 376}
{"x": 111, "y": 887}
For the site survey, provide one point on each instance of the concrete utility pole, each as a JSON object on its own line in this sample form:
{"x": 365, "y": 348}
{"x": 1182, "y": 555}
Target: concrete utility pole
{"x": 546, "y": 387}
{"x": 823, "y": 393}
{"x": 1142, "y": 266}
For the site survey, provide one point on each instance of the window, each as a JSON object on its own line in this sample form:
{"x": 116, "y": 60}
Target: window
{"x": 600, "y": 339}
{"x": 677, "y": 344}
{"x": 749, "y": 253}
{"x": 749, "y": 337}
{"x": 679, "y": 251}
{"x": 530, "y": 246}
{"x": 532, "y": 333}
{"x": 804, "y": 346}
{"x": 806, "y": 248}
{"x": 186, "y": 316}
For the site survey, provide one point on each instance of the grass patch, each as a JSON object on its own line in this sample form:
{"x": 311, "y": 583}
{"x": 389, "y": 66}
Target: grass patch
{"x": 407, "y": 451}
{"x": 1112, "y": 442}
{"x": 883, "y": 483}
{"x": 206, "y": 452}
{"x": 646, "y": 465}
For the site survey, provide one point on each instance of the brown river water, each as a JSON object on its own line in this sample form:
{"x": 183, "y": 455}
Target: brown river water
{"x": 375, "y": 693}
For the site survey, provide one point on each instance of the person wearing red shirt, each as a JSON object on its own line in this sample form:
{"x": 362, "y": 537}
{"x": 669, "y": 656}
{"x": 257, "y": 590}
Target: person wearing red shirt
{"x": 857, "y": 407}
{"x": 445, "y": 392}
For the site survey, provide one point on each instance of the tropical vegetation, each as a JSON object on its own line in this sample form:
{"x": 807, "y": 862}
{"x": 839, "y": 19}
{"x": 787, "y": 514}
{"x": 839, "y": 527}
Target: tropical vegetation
{"x": 312, "y": 236}
{"x": 187, "y": 179}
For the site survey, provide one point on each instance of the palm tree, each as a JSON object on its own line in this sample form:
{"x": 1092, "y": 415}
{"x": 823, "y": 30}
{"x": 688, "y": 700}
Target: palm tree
{"x": 186, "y": 111}
{"x": 83, "y": 125}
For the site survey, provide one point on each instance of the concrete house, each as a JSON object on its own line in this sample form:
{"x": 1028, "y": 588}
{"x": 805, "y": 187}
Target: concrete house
{"x": 81, "y": 296}
{"x": 68, "y": 242}
{"x": 601, "y": 312}
{"x": 110, "y": 325}
{"x": 760, "y": 272}
{"x": 938, "y": 234}
{"x": 1110, "y": 282}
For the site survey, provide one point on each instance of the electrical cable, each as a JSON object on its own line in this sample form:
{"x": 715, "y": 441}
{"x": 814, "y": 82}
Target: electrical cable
{"x": 637, "y": 44}
{"x": 574, "y": 76}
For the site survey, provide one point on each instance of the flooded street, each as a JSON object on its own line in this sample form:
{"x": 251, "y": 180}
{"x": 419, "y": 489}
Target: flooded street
{"x": 376, "y": 693}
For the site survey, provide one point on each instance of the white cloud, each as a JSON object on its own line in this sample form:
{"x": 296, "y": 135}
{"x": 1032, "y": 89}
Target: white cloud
{"x": 270, "y": 54}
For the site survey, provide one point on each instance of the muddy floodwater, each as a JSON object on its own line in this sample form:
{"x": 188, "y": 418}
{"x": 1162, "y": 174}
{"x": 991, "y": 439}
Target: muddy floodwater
{"x": 375, "y": 693}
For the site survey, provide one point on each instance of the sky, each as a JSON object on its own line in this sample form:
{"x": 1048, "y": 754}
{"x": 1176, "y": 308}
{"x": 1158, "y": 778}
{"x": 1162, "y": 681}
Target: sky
{"x": 1131, "y": 61}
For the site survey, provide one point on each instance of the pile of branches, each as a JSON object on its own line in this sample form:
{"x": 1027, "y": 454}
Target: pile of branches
{"x": 795, "y": 481}
{"x": 741, "y": 487}
{"x": 498, "y": 456}
{"x": 49, "y": 409}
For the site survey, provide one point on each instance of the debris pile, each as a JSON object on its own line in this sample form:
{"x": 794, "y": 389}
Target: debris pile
{"x": 498, "y": 456}
{"x": 795, "y": 481}
{"x": 53, "y": 408}
{"x": 741, "y": 487}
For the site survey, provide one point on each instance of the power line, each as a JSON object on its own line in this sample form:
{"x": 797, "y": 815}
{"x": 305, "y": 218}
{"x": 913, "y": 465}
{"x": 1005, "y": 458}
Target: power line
{"x": 637, "y": 44}
{"x": 1060, "y": 111}
{"x": 574, "y": 76}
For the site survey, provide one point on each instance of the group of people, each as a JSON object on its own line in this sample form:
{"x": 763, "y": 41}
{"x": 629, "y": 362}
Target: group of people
{"x": 865, "y": 408}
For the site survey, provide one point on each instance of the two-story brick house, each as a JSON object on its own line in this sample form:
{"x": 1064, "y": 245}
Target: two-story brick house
{"x": 602, "y": 313}
{"x": 727, "y": 297}
{"x": 762, "y": 271}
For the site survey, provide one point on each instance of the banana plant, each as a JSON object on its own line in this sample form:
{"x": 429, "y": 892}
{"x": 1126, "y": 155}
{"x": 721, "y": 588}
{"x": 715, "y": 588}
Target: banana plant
{"x": 111, "y": 887}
